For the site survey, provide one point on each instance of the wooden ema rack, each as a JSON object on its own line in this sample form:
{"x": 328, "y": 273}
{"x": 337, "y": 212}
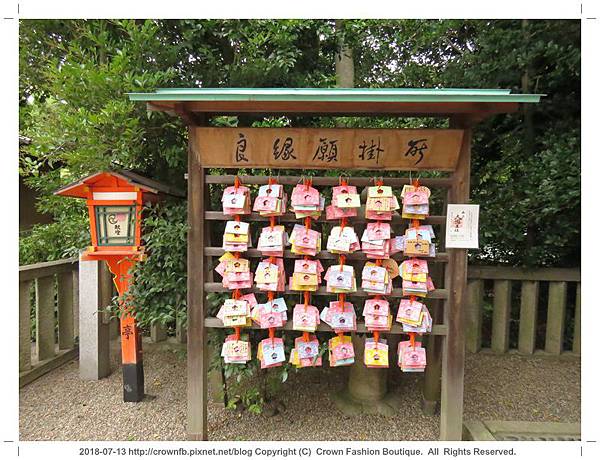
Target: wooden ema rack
{"x": 448, "y": 346}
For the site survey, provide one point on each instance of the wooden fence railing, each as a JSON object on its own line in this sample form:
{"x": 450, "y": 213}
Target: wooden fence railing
{"x": 529, "y": 310}
{"x": 53, "y": 289}
{"x": 508, "y": 308}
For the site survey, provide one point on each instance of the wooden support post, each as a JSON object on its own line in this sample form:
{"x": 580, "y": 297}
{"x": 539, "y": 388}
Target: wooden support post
{"x": 216, "y": 376}
{"x": 180, "y": 331}
{"x": 474, "y": 315}
{"x": 66, "y": 333}
{"x": 197, "y": 356}
{"x": 528, "y": 316}
{"x": 114, "y": 329}
{"x": 453, "y": 361}
{"x": 24, "y": 325}
{"x": 44, "y": 300}
{"x": 555, "y": 323}
{"x": 75, "y": 276}
{"x": 131, "y": 338}
{"x": 501, "y": 315}
{"x": 577, "y": 331}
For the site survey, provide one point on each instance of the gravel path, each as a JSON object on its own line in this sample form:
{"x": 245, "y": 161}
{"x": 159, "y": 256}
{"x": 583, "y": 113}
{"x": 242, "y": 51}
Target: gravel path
{"x": 60, "y": 406}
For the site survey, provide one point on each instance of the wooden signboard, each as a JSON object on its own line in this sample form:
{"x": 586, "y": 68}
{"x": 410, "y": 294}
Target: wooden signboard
{"x": 315, "y": 148}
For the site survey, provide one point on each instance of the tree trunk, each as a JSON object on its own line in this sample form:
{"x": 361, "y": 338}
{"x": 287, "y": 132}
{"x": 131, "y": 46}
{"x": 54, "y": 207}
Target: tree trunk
{"x": 529, "y": 138}
{"x": 365, "y": 386}
{"x": 344, "y": 61}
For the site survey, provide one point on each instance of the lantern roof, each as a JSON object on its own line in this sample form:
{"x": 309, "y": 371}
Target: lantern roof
{"x": 118, "y": 179}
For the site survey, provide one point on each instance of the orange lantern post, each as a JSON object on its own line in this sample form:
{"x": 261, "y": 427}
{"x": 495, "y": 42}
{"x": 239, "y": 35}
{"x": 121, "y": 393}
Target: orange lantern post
{"x": 115, "y": 201}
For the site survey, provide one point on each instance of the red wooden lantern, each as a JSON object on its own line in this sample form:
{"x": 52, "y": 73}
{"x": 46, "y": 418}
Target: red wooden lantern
{"x": 115, "y": 201}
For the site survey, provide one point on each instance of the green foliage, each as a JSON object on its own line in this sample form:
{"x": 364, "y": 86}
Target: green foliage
{"x": 250, "y": 388}
{"x": 74, "y": 76}
{"x": 57, "y": 240}
{"x": 159, "y": 292}
{"x": 78, "y": 114}
{"x": 526, "y": 166}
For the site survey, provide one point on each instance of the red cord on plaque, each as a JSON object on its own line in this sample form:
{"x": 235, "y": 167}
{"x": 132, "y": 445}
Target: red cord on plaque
{"x": 235, "y": 271}
{"x": 414, "y": 315}
{"x": 341, "y": 278}
{"x": 270, "y": 273}
{"x": 306, "y": 242}
{"x": 376, "y": 279}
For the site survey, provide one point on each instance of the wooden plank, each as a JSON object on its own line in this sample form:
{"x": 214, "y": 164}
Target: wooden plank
{"x": 474, "y": 113}
{"x": 453, "y": 352}
{"x": 45, "y": 336}
{"x": 328, "y": 148}
{"x": 345, "y": 108}
{"x": 24, "y": 325}
{"x": 501, "y": 315}
{"x": 33, "y": 271}
{"x": 66, "y": 332}
{"x": 577, "y": 330}
{"x": 528, "y": 316}
{"x": 474, "y": 315}
{"x": 438, "y": 329}
{"x": 525, "y": 274}
{"x": 228, "y": 179}
{"x": 250, "y": 253}
{"x": 218, "y": 287}
{"x": 290, "y": 217}
{"x": 43, "y": 367}
{"x": 197, "y": 357}
{"x": 555, "y": 322}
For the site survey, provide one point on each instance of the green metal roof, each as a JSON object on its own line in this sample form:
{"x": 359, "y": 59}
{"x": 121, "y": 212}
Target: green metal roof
{"x": 336, "y": 95}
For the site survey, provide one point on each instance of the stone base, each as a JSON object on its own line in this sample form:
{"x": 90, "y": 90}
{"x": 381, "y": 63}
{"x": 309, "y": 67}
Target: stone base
{"x": 496, "y": 430}
{"x": 388, "y": 406}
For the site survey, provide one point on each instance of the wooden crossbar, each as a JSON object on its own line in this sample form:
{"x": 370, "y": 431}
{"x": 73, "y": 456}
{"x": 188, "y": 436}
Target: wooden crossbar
{"x": 442, "y": 182}
{"x": 218, "y": 287}
{"x": 253, "y": 253}
{"x": 438, "y": 329}
{"x": 290, "y": 217}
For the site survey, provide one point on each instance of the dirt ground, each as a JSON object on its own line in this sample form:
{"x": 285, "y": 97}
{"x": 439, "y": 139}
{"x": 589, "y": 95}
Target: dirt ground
{"x": 60, "y": 406}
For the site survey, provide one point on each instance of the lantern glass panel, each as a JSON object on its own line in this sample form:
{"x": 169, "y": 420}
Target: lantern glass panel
{"x": 115, "y": 225}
